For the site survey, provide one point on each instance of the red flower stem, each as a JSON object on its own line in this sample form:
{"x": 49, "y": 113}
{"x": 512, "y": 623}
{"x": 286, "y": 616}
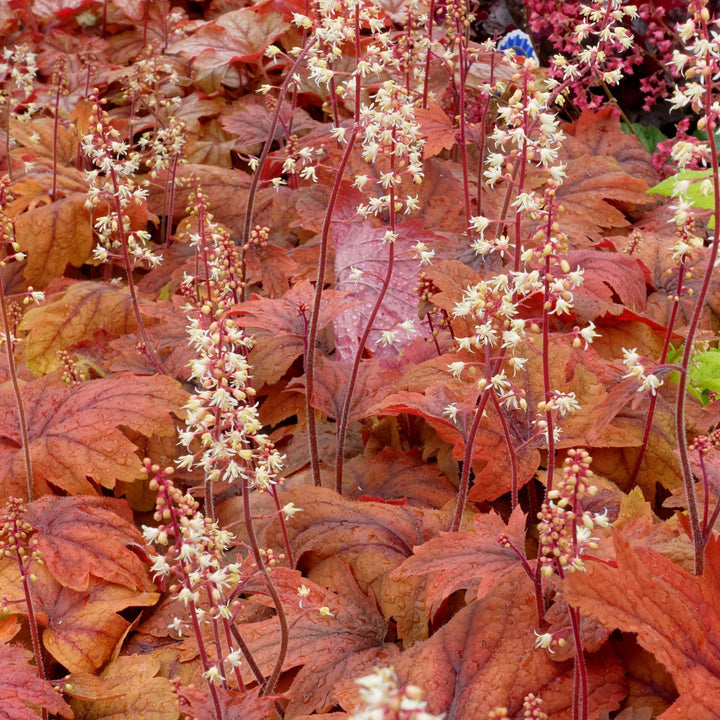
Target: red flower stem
{"x": 32, "y": 618}
{"x": 147, "y": 345}
{"x": 680, "y": 430}
{"x": 428, "y": 56}
{"x": 56, "y": 121}
{"x": 324, "y": 240}
{"x": 263, "y": 158}
{"x": 462, "y": 63}
{"x": 464, "y": 487}
{"x": 580, "y": 689}
{"x": 345, "y": 415}
{"x": 549, "y": 417}
{"x": 663, "y": 360}
{"x": 12, "y": 369}
{"x": 229, "y": 641}
{"x": 269, "y": 686}
{"x": 283, "y": 526}
{"x": 315, "y": 315}
{"x": 511, "y": 449}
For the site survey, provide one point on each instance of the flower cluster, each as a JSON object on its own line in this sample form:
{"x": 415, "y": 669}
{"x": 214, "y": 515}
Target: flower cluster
{"x": 564, "y": 529}
{"x": 222, "y": 416}
{"x": 114, "y": 190}
{"x": 591, "y": 41}
{"x": 16, "y": 539}
{"x": 532, "y": 710}
{"x": 193, "y": 565}
{"x": 383, "y": 698}
{"x": 18, "y": 69}
{"x": 391, "y": 138}
{"x": 637, "y": 369}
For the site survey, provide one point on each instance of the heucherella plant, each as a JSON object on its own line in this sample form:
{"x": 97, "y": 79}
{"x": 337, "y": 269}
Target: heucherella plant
{"x": 224, "y": 435}
{"x": 699, "y": 65}
{"x": 113, "y": 191}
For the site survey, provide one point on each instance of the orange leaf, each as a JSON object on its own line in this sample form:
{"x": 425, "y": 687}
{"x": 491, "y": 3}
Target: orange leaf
{"x": 472, "y": 559}
{"x": 21, "y": 689}
{"x": 393, "y": 475}
{"x": 81, "y": 629}
{"x": 86, "y": 537}
{"x": 372, "y": 537}
{"x": 284, "y": 322}
{"x": 236, "y": 705}
{"x": 607, "y": 275}
{"x": 676, "y": 617}
{"x": 332, "y": 379}
{"x": 127, "y": 689}
{"x": 74, "y": 433}
{"x": 332, "y": 650}
{"x": 81, "y": 310}
{"x": 484, "y": 658}
{"x": 436, "y": 127}
{"x": 53, "y": 236}
{"x": 597, "y": 133}
{"x": 236, "y": 36}
{"x": 491, "y": 461}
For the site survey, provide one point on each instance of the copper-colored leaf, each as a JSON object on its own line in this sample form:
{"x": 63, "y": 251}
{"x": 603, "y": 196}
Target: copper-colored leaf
{"x": 611, "y": 281}
{"x": 53, "y": 236}
{"x": 236, "y": 705}
{"x": 676, "y": 617}
{"x": 491, "y": 460}
{"x": 74, "y": 431}
{"x": 75, "y": 316}
{"x": 127, "y": 689}
{"x": 484, "y": 658}
{"x": 284, "y": 322}
{"x": 392, "y": 475}
{"x": 472, "y": 559}
{"x": 332, "y": 650}
{"x": 81, "y": 629}
{"x": 249, "y": 119}
{"x": 437, "y": 129}
{"x": 372, "y": 537}
{"x": 332, "y": 380}
{"x": 84, "y": 537}
{"x": 21, "y": 689}
{"x": 236, "y": 36}
{"x": 599, "y": 133}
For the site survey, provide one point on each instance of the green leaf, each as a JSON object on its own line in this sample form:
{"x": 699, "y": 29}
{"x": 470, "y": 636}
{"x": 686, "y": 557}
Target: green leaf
{"x": 705, "y": 371}
{"x": 696, "y": 194}
{"x": 650, "y": 137}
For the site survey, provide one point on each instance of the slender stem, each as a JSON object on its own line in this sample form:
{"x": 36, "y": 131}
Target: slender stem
{"x": 680, "y": 431}
{"x": 511, "y": 449}
{"x": 315, "y": 315}
{"x": 352, "y": 380}
{"x": 324, "y": 240}
{"x": 263, "y": 157}
{"x": 549, "y": 416}
{"x": 271, "y": 682}
{"x": 148, "y": 347}
{"x": 283, "y": 526}
{"x": 464, "y": 488}
{"x": 462, "y": 63}
{"x": 580, "y": 691}
{"x": 663, "y": 360}
{"x": 9, "y": 349}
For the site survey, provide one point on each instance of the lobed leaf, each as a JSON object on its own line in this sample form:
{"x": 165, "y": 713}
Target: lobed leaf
{"x": 74, "y": 432}
{"x": 676, "y": 617}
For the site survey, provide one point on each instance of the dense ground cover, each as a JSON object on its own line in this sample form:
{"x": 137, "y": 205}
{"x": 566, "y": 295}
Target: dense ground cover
{"x": 361, "y": 342}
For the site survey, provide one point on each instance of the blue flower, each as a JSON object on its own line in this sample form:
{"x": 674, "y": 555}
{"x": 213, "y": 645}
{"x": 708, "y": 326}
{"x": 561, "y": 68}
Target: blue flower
{"x": 520, "y": 42}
